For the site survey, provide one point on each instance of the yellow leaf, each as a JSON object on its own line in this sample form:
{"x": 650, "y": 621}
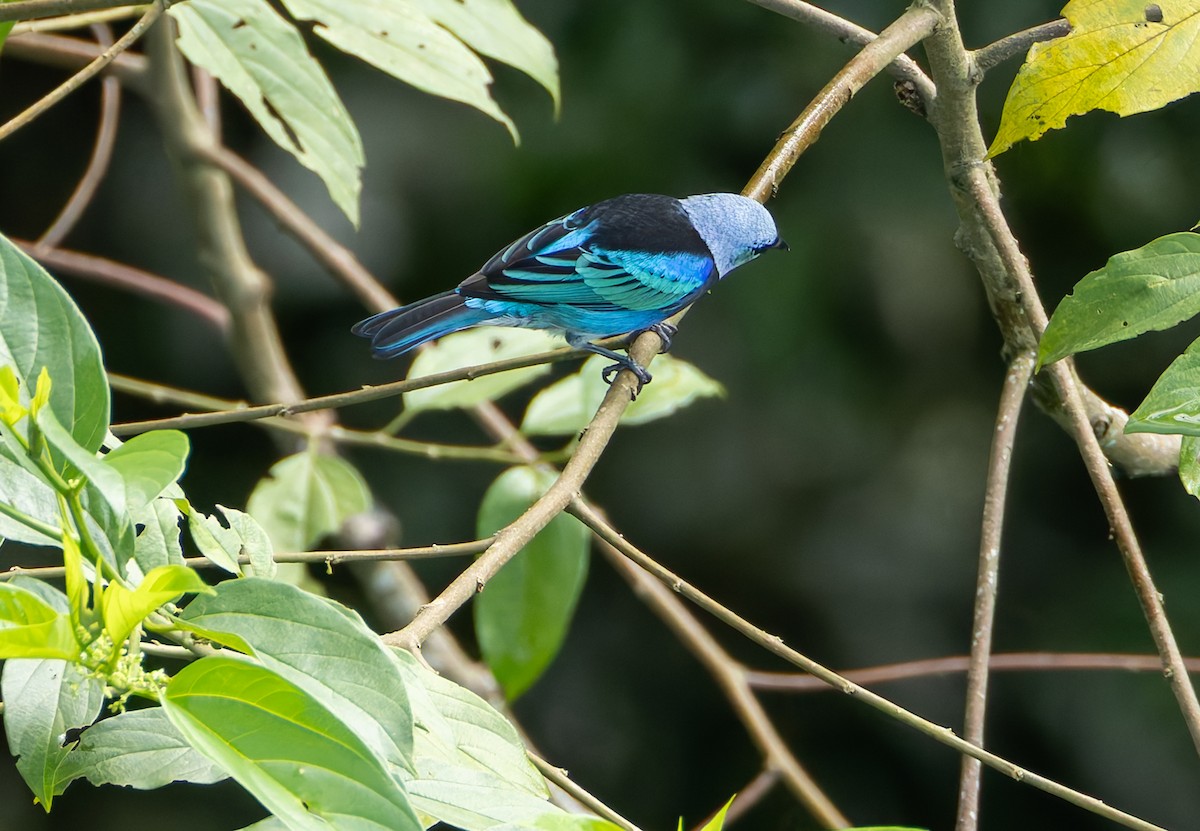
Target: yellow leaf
{"x": 41, "y": 392}
{"x": 11, "y": 410}
{"x": 1124, "y": 56}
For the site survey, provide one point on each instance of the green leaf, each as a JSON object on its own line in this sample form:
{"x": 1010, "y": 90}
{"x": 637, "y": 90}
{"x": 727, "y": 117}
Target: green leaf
{"x": 1151, "y": 288}
{"x": 11, "y": 408}
{"x": 561, "y": 822}
{"x": 157, "y": 543}
{"x": 521, "y": 617}
{"x": 1116, "y": 58}
{"x": 149, "y": 464}
{"x": 255, "y": 543}
{"x": 472, "y": 769}
{"x": 495, "y": 28}
{"x": 399, "y": 39}
{"x": 1189, "y": 465}
{"x": 32, "y": 628}
{"x": 1173, "y": 404}
{"x": 322, "y": 647}
{"x": 277, "y": 741}
{"x": 29, "y": 496}
{"x": 136, "y": 749}
{"x": 216, "y": 542}
{"x": 122, "y": 609}
{"x": 718, "y": 820}
{"x": 306, "y": 497}
{"x": 40, "y": 327}
{"x": 261, "y": 58}
{"x": 476, "y": 346}
{"x": 42, "y": 701}
{"x": 566, "y": 406}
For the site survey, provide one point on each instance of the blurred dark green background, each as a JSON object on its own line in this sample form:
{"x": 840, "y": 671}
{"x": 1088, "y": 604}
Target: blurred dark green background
{"x": 833, "y": 497}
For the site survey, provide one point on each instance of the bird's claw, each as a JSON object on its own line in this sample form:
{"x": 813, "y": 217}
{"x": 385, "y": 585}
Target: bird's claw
{"x": 609, "y": 374}
{"x": 665, "y": 331}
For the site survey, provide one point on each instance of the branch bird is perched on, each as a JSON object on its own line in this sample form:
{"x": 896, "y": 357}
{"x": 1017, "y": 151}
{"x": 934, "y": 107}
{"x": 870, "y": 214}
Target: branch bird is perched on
{"x": 620, "y": 266}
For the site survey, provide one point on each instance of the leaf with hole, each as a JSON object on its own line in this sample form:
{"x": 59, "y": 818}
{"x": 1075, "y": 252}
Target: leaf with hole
{"x": 149, "y": 464}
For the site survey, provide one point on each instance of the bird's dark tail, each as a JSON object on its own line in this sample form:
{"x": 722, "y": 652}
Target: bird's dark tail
{"x": 397, "y": 331}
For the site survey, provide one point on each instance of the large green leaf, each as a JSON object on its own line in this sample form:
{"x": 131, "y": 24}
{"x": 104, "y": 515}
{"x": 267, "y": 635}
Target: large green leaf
{"x": 306, "y": 497}
{"x": 40, "y": 326}
{"x": 136, "y": 749}
{"x": 476, "y": 346}
{"x": 522, "y": 615}
{"x": 1173, "y": 404}
{"x": 1151, "y": 288}
{"x": 157, "y": 542}
{"x": 322, "y": 647}
{"x": 28, "y": 495}
{"x": 297, "y": 758}
{"x": 566, "y": 406}
{"x": 1124, "y": 56}
{"x": 32, "y": 628}
{"x": 149, "y": 464}
{"x": 42, "y": 701}
{"x": 261, "y": 58}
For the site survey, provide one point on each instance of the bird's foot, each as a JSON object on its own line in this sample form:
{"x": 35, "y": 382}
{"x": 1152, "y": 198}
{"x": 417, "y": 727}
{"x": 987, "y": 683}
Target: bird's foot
{"x": 609, "y": 373}
{"x": 665, "y": 331}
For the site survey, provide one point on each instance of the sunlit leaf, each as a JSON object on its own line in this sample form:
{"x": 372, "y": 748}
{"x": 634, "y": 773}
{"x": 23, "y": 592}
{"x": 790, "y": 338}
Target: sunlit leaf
{"x": 32, "y": 628}
{"x": 476, "y": 346}
{"x": 322, "y": 647}
{"x": 123, "y": 609}
{"x": 522, "y": 615}
{"x": 136, "y": 749}
{"x": 305, "y": 497}
{"x": 30, "y": 496}
{"x": 42, "y": 701}
{"x": 157, "y": 542}
{"x": 279, "y": 743}
{"x": 40, "y": 327}
{"x": 566, "y": 406}
{"x": 216, "y": 542}
{"x": 149, "y": 464}
{"x": 1120, "y": 56}
{"x": 261, "y": 58}
{"x": 1151, "y": 288}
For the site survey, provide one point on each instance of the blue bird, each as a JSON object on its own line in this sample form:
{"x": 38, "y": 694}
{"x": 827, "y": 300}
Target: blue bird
{"x": 620, "y": 266}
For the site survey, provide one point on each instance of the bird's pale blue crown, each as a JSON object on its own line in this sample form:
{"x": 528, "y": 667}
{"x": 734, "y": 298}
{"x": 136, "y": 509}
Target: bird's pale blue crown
{"x": 735, "y": 228}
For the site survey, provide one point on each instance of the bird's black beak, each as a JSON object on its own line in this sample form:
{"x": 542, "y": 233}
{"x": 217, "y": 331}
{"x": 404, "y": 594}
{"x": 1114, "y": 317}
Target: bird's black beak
{"x": 779, "y": 243}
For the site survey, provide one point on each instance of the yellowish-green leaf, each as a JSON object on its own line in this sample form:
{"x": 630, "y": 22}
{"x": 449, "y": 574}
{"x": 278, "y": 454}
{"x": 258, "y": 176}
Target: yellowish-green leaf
{"x": 31, "y": 628}
{"x": 123, "y": 609}
{"x": 1124, "y": 56}
{"x": 476, "y": 346}
{"x": 11, "y": 410}
{"x": 41, "y": 393}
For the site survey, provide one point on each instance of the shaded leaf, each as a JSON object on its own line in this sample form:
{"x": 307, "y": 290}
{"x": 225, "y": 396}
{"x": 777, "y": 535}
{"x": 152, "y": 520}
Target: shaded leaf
{"x": 279, "y": 743}
{"x": 255, "y": 543}
{"x": 322, "y": 647}
{"x": 29, "y": 495}
{"x": 216, "y": 542}
{"x": 261, "y": 58}
{"x": 42, "y": 701}
{"x": 1151, "y": 288}
{"x": 149, "y": 464}
{"x": 476, "y": 346}
{"x": 305, "y": 497}
{"x": 1117, "y": 57}
{"x": 157, "y": 542}
{"x": 1173, "y": 404}
{"x": 522, "y": 615}
{"x": 136, "y": 749}
{"x": 566, "y": 406}
{"x": 1189, "y": 465}
{"x": 41, "y": 327}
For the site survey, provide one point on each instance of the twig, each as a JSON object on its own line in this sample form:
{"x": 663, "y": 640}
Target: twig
{"x": 76, "y": 21}
{"x": 1004, "y": 662}
{"x": 1012, "y": 397}
{"x": 82, "y": 76}
{"x": 559, "y": 777}
{"x": 36, "y": 9}
{"x": 731, "y": 677}
{"x": 902, "y": 67}
{"x": 73, "y": 53}
{"x": 329, "y": 558}
{"x": 128, "y": 278}
{"x": 910, "y": 28}
{"x": 106, "y": 134}
{"x": 329, "y": 252}
{"x": 775, "y": 645}
{"x": 997, "y": 53}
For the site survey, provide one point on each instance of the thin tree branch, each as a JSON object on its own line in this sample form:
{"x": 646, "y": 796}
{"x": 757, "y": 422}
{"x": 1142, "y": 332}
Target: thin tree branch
{"x": 910, "y": 28}
{"x": 997, "y": 53}
{"x": 82, "y": 76}
{"x": 106, "y": 135}
{"x": 73, "y": 53}
{"x": 559, "y": 777}
{"x": 1012, "y": 397}
{"x": 76, "y": 21}
{"x": 329, "y": 558}
{"x": 128, "y": 278}
{"x": 775, "y": 645}
{"x": 731, "y": 678}
{"x": 37, "y": 9}
{"x": 1003, "y": 662}
{"x": 902, "y": 67}
{"x": 338, "y": 259}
